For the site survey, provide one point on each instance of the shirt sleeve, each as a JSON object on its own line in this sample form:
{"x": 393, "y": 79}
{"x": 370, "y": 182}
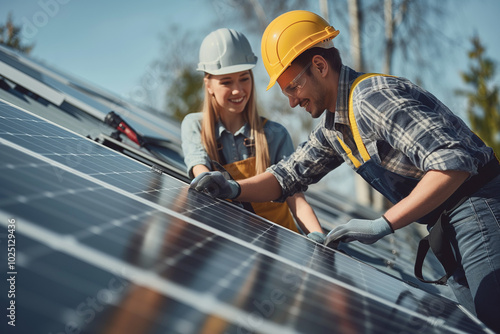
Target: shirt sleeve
{"x": 279, "y": 141}
{"x": 311, "y": 161}
{"x": 414, "y": 122}
{"x": 192, "y": 147}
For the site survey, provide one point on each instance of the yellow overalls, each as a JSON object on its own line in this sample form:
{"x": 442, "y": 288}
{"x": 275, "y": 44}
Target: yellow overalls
{"x": 278, "y": 213}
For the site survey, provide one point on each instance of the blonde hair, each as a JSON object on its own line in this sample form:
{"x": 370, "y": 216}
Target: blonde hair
{"x": 211, "y": 115}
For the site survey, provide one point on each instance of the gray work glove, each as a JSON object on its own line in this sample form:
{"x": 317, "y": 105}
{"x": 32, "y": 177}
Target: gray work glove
{"x": 216, "y": 185}
{"x": 317, "y": 236}
{"x": 363, "y": 230}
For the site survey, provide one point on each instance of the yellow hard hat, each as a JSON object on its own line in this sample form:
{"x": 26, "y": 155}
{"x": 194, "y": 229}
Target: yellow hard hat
{"x": 290, "y": 34}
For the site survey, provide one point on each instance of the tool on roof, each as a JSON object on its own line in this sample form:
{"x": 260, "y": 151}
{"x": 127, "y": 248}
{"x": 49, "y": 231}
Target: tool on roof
{"x": 116, "y": 122}
{"x": 150, "y": 144}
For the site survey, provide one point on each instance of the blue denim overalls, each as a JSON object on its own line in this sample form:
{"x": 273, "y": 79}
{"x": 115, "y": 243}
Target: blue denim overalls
{"x": 477, "y": 216}
{"x": 395, "y": 187}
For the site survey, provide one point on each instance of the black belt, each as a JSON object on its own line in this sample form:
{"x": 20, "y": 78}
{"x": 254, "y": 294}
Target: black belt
{"x": 436, "y": 239}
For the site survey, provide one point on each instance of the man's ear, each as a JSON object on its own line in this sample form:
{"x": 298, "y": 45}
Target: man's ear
{"x": 320, "y": 64}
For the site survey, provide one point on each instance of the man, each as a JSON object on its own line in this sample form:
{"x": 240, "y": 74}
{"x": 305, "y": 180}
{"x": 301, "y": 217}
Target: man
{"x": 399, "y": 138}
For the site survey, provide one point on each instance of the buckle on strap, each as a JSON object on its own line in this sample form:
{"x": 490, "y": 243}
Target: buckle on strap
{"x": 249, "y": 142}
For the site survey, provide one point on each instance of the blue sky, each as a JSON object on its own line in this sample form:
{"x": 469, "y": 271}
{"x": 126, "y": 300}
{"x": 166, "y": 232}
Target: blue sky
{"x": 112, "y": 43}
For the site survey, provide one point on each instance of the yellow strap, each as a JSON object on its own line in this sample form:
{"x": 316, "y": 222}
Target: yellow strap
{"x": 348, "y": 151}
{"x": 354, "y": 126}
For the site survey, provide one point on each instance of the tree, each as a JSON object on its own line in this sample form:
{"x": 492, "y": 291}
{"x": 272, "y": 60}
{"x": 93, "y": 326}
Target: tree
{"x": 483, "y": 107}
{"x": 173, "y": 76}
{"x": 355, "y": 29}
{"x": 186, "y": 95}
{"x": 10, "y": 36}
{"x": 254, "y": 14}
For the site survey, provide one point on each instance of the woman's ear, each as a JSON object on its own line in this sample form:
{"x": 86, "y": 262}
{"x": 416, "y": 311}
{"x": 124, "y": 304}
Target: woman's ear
{"x": 208, "y": 85}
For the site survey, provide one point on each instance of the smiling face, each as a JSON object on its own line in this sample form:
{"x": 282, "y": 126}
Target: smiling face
{"x": 231, "y": 91}
{"x": 308, "y": 88}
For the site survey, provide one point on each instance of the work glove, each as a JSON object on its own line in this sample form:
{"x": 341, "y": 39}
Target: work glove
{"x": 363, "y": 230}
{"x": 317, "y": 236}
{"x": 216, "y": 185}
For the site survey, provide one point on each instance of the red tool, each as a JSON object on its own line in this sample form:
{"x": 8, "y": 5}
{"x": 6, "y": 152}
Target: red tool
{"x": 115, "y": 121}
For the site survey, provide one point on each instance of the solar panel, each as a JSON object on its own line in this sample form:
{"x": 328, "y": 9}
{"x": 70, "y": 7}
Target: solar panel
{"x": 106, "y": 244}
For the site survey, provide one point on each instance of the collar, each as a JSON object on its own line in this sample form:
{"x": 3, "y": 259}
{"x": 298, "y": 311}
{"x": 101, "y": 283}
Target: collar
{"x": 244, "y": 130}
{"x": 341, "y": 116}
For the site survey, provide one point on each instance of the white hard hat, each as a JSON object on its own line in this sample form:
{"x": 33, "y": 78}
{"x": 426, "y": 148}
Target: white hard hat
{"x": 226, "y": 51}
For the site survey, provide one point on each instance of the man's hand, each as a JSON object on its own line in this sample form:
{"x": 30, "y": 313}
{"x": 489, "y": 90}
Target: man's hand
{"x": 216, "y": 185}
{"x": 362, "y": 230}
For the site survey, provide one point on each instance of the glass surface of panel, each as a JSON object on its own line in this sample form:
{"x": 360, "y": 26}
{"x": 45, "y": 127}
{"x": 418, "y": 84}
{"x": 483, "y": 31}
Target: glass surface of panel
{"x": 106, "y": 244}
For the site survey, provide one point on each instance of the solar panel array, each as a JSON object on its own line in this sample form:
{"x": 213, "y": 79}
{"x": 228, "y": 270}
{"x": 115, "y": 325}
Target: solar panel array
{"x": 30, "y": 85}
{"x": 106, "y": 244}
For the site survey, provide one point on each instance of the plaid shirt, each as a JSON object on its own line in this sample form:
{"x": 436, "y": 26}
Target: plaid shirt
{"x": 404, "y": 128}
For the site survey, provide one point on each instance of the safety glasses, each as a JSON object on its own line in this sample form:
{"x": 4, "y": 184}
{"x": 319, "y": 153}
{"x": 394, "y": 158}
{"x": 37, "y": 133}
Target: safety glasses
{"x": 296, "y": 84}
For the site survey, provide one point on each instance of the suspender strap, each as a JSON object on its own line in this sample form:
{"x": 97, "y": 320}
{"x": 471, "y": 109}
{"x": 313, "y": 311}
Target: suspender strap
{"x": 354, "y": 126}
{"x": 348, "y": 151}
{"x": 222, "y": 160}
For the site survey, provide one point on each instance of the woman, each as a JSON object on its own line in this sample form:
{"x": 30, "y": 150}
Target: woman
{"x": 230, "y": 131}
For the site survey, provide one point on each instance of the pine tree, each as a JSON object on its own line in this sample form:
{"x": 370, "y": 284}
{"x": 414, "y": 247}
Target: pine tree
{"x": 483, "y": 108}
{"x": 186, "y": 95}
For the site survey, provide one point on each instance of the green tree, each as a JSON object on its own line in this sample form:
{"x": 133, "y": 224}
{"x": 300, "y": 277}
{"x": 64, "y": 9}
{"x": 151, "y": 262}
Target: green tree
{"x": 10, "y": 36}
{"x": 173, "y": 76}
{"x": 483, "y": 108}
{"x": 186, "y": 94}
